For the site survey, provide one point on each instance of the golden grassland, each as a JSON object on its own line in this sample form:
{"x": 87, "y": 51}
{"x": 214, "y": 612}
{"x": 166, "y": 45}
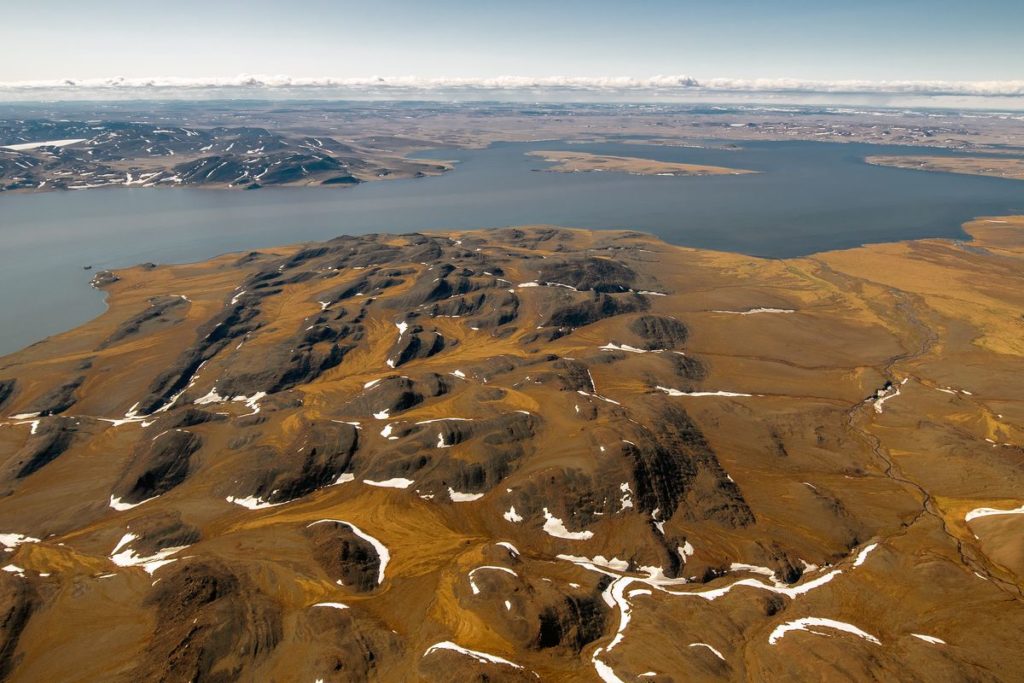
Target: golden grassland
{"x": 943, "y": 320}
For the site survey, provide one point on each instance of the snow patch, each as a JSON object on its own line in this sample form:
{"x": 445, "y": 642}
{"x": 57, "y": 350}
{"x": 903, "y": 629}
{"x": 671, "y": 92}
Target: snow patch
{"x": 627, "y": 500}
{"x": 478, "y": 656}
{"x": 611, "y": 346}
{"x": 394, "y": 483}
{"x": 709, "y": 647}
{"x": 13, "y": 540}
{"x": 458, "y": 497}
{"x": 46, "y": 143}
{"x": 883, "y": 395}
{"x": 514, "y": 551}
{"x": 553, "y": 526}
{"x": 149, "y": 564}
{"x": 806, "y": 624}
{"x": 512, "y": 516}
{"x": 251, "y": 502}
{"x": 614, "y": 563}
{"x": 212, "y": 397}
{"x": 863, "y": 554}
{"x": 676, "y": 392}
{"x": 251, "y": 402}
{"x": 755, "y": 311}
{"x": 988, "y": 512}
{"x": 121, "y": 506}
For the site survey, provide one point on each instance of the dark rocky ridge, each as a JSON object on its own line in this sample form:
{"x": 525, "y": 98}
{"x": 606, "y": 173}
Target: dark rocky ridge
{"x": 590, "y": 274}
{"x": 212, "y": 625}
{"x": 344, "y": 556}
{"x": 58, "y": 399}
{"x": 18, "y": 600}
{"x": 158, "y": 464}
{"x": 316, "y": 456}
{"x": 52, "y": 437}
{"x": 659, "y": 332}
{"x": 162, "y": 311}
{"x": 7, "y": 387}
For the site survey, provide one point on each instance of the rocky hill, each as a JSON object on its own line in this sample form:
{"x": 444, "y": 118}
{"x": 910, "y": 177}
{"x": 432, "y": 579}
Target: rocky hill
{"x": 525, "y": 454}
{"x": 43, "y": 155}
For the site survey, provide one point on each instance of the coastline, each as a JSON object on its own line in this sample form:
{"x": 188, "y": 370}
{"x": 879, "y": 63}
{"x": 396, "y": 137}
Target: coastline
{"x": 868, "y": 252}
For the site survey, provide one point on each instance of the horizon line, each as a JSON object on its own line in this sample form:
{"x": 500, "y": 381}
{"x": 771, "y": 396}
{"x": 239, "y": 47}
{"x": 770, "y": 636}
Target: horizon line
{"x": 613, "y": 85}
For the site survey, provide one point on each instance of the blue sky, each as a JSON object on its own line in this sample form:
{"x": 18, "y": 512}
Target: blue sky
{"x": 865, "y": 39}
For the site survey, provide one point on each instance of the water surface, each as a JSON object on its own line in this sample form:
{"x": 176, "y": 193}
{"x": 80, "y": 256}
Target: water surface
{"x": 809, "y": 197}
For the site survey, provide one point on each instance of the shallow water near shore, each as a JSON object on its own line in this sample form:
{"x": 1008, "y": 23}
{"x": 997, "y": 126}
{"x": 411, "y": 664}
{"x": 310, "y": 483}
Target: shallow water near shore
{"x": 807, "y": 197}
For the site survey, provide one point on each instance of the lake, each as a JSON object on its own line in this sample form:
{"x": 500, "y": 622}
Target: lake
{"x": 809, "y": 197}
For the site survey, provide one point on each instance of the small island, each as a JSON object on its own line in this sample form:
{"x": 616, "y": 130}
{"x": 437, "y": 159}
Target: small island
{"x": 1009, "y": 167}
{"x": 584, "y": 162}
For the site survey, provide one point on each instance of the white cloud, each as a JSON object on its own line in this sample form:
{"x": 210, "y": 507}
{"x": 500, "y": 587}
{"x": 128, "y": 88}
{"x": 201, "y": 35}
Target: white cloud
{"x": 397, "y": 86}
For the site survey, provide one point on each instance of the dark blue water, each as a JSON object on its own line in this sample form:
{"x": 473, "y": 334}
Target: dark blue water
{"x": 808, "y": 197}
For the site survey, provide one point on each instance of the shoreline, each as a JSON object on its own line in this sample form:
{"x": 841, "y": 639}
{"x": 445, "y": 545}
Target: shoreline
{"x": 988, "y": 167}
{"x": 585, "y": 162}
{"x": 103, "y": 289}
{"x": 429, "y": 167}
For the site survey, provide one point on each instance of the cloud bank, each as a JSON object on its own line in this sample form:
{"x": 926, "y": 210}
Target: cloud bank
{"x": 410, "y": 86}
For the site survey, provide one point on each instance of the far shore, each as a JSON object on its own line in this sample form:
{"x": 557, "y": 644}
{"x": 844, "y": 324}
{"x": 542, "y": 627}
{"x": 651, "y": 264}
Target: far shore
{"x": 1012, "y": 168}
{"x": 583, "y": 162}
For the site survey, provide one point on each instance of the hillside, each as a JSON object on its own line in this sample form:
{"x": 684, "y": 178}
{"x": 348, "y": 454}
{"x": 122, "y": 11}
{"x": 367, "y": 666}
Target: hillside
{"x": 525, "y": 454}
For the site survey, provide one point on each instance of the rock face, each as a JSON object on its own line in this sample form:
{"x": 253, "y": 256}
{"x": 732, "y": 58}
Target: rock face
{"x": 317, "y": 455}
{"x": 413, "y": 344}
{"x": 6, "y": 389}
{"x": 588, "y": 310}
{"x": 50, "y": 439}
{"x": 58, "y": 399}
{"x": 162, "y": 311}
{"x": 590, "y": 274}
{"x": 17, "y": 601}
{"x": 349, "y": 559}
{"x": 212, "y": 625}
{"x": 158, "y": 464}
{"x": 659, "y": 332}
{"x": 519, "y": 455}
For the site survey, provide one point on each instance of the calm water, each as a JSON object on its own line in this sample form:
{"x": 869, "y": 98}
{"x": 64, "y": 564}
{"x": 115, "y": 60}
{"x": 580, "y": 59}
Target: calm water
{"x": 809, "y": 197}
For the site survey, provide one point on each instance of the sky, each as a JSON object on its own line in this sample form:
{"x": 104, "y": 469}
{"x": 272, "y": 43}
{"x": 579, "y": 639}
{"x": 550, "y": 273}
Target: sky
{"x": 826, "y": 41}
